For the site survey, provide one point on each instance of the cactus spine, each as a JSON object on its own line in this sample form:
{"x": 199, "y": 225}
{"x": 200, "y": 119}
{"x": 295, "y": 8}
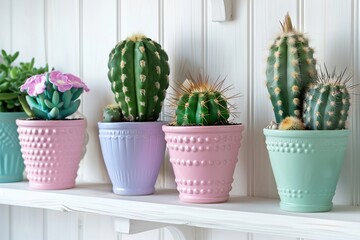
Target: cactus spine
{"x": 290, "y": 69}
{"x": 138, "y": 72}
{"x": 327, "y": 102}
{"x": 202, "y": 103}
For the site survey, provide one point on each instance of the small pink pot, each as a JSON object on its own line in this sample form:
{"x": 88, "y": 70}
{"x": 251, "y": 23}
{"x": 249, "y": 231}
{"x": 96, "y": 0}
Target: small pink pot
{"x": 52, "y": 151}
{"x": 204, "y": 160}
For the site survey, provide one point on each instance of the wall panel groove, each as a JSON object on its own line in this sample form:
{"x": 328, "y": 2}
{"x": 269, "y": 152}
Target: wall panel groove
{"x": 250, "y": 96}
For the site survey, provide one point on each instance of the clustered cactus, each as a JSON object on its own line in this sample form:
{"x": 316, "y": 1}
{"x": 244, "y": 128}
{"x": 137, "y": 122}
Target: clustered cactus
{"x": 327, "y": 102}
{"x": 139, "y": 72}
{"x": 54, "y": 95}
{"x": 290, "y": 69}
{"x": 302, "y": 98}
{"x": 200, "y": 102}
{"x": 12, "y": 77}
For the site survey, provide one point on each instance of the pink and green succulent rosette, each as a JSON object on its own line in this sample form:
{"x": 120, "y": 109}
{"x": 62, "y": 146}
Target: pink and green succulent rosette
{"x": 53, "y": 95}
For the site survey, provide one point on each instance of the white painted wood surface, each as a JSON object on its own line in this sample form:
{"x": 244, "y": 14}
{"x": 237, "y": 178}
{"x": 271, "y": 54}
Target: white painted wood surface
{"x": 76, "y": 36}
{"x": 244, "y": 214}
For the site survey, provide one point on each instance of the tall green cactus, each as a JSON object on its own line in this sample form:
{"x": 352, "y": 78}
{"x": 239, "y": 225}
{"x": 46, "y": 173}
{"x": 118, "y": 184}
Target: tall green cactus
{"x": 201, "y": 103}
{"x": 290, "y": 69}
{"x": 327, "y": 102}
{"x": 138, "y": 72}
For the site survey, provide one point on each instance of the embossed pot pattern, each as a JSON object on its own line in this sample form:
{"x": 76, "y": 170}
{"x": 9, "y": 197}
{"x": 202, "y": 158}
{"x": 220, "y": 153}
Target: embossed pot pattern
{"x": 133, "y": 153}
{"x": 204, "y": 160}
{"x": 52, "y": 151}
{"x": 11, "y": 161}
{"x": 306, "y": 166}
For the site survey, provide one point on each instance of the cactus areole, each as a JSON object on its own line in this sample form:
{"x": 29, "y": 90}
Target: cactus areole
{"x": 139, "y": 76}
{"x": 290, "y": 69}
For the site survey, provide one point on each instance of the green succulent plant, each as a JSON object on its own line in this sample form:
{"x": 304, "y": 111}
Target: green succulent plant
{"x": 11, "y": 78}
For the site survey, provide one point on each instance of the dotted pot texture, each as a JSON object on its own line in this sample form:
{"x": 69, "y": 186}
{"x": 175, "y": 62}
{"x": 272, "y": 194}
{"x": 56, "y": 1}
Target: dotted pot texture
{"x": 306, "y": 166}
{"x": 11, "y": 161}
{"x": 52, "y": 151}
{"x": 204, "y": 160}
{"x": 133, "y": 153}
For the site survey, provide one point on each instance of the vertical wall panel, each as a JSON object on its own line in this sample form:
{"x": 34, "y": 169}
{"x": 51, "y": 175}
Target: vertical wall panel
{"x": 332, "y": 38}
{"x": 227, "y": 58}
{"x": 28, "y": 33}
{"x": 62, "y": 28}
{"x": 60, "y": 225}
{"x": 98, "y": 227}
{"x": 4, "y": 222}
{"x": 183, "y": 42}
{"x": 355, "y": 125}
{"x": 267, "y": 15}
{"x": 153, "y": 234}
{"x": 27, "y": 223}
{"x": 99, "y": 37}
{"x": 138, "y": 16}
{"x": 5, "y": 25}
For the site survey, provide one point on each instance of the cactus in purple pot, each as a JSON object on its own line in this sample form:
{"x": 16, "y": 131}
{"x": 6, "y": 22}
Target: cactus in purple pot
{"x": 138, "y": 72}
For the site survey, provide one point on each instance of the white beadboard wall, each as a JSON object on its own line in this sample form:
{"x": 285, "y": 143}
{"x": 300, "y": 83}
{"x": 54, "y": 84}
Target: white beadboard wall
{"x": 77, "y": 35}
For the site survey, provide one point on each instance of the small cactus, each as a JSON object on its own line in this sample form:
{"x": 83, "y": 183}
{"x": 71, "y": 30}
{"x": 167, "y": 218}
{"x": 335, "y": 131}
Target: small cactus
{"x": 138, "y": 72}
{"x": 54, "y": 95}
{"x": 112, "y": 113}
{"x": 201, "y": 103}
{"x": 327, "y": 102}
{"x": 291, "y": 123}
{"x": 290, "y": 69}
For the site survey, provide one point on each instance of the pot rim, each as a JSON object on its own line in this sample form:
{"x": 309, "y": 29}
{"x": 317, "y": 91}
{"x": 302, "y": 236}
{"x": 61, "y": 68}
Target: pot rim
{"x": 106, "y": 125}
{"x": 201, "y": 129}
{"x": 306, "y": 133}
{"x": 50, "y": 123}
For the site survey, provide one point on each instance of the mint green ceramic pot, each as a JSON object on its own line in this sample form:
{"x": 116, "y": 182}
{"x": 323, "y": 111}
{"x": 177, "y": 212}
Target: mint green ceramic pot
{"x": 11, "y": 161}
{"x": 306, "y": 166}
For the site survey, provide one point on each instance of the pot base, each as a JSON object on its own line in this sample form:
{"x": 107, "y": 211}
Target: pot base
{"x": 9, "y": 179}
{"x": 133, "y": 191}
{"x": 220, "y": 199}
{"x": 305, "y": 208}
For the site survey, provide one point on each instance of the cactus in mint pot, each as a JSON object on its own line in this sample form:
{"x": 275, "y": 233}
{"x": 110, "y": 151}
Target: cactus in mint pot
{"x": 290, "y": 69}
{"x": 139, "y": 72}
{"x": 327, "y": 102}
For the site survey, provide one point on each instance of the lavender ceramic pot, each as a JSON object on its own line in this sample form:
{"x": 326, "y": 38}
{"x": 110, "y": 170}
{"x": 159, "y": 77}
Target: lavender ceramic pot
{"x": 133, "y": 153}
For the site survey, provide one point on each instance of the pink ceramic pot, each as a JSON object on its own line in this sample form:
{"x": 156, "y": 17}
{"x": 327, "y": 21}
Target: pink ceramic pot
{"x": 204, "y": 160}
{"x": 52, "y": 151}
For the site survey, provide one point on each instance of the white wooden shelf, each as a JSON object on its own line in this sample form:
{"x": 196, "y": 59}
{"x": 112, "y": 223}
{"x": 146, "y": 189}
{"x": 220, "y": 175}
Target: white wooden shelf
{"x": 259, "y": 215}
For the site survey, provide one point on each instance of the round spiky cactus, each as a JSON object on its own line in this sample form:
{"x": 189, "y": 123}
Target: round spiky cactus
{"x": 138, "y": 72}
{"x": 112, "y": 113}
{"x": 202, "y": 103}
{"x": 290, "y": 69}
{"x": 327, "y": 102}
